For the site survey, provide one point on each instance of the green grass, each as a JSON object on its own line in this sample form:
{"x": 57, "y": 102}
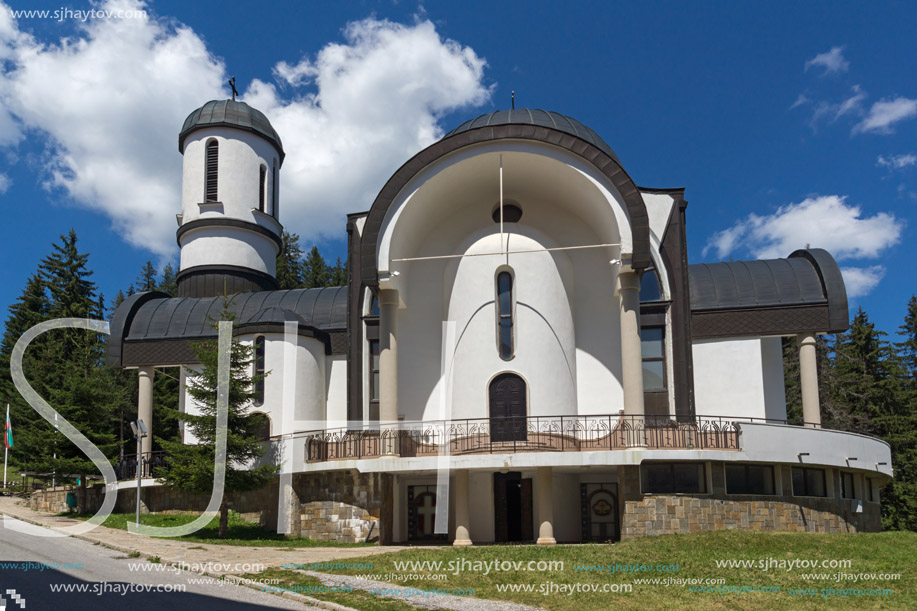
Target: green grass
{"x": 357, "y": 599}
{"x": 239, "y": 532}
{"x": 695, "y": 555}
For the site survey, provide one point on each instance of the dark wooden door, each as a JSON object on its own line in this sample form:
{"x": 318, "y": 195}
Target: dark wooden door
{"x": 513, "y": 517}
{"x": 507, "y": 408}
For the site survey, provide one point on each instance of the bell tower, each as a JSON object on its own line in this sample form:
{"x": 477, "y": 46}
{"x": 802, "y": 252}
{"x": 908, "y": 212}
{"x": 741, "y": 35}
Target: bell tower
{"x": 229, "y": 230}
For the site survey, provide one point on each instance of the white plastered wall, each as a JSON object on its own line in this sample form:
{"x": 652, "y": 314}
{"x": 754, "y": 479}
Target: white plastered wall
{"x": 740, "y": 377}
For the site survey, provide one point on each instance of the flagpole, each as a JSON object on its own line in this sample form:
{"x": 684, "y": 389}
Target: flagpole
{"x": 6, "y": 449}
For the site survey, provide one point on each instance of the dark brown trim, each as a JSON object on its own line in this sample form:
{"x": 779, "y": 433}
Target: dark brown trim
{"x": 216, "y": 280}
{"x": 760, "y": 322}
{"x": 606, "y": 164}
{"x": 224, "y": 222}
{"x": 354, "y": 322}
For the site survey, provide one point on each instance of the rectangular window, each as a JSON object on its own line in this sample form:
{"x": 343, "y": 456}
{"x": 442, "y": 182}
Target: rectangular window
{"x": 673, "y": 478}
{"x": 652, "y": 340}
{"x": 870, "y": 495}
{"x": 847, "y": 490}
{"x": 749, "y": 479}
{"x": 809, "y": 482}
{"x": 259, "y": 369}
{"x": 374, "y": 370}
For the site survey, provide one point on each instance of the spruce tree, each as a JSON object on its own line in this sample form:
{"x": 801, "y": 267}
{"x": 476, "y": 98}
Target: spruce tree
{"x": 289, "y": 262}
{"x": 338, "y": 274}
{"x": 190, "y": 467}
{"x": 168, "y": 283}
{"x": 315, "y": 271}
{"x": 146, "y": 281}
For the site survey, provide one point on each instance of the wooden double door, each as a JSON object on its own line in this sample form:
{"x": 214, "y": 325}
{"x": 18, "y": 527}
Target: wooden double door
{"x": 507, "y": 398}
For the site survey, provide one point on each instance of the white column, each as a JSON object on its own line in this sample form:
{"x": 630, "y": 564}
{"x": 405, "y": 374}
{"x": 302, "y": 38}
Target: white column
{"x": 145, "y": 406}
{"x": 462, "y": 511}
{"x": 808, "y": 379}
{"x": 631, "y": 356}
{"x": 388, "y": 365}
{"x": 545, "y": 507}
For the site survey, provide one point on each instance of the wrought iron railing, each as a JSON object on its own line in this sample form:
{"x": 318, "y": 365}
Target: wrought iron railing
{"x": 524, "y": 434}
{"x": 126, "y": 468}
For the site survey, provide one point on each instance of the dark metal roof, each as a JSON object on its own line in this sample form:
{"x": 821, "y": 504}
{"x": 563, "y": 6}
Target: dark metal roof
{"x": 155, "y": 316}
{"x": 806, "y": 277}
{"x": 230, "y": 113}
{"x": 543, "y": 118}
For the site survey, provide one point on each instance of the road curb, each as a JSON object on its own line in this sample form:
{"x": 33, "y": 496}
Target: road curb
{"x": 239, "y": 581}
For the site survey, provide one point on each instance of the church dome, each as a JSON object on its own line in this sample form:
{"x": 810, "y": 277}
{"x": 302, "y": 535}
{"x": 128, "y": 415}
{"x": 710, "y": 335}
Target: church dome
{"x": 540, "y": 118}
{"x": 229, "y": 113}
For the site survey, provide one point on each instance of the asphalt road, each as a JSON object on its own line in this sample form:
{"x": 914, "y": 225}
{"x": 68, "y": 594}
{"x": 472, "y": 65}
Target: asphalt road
{"x": 107, "y": 580}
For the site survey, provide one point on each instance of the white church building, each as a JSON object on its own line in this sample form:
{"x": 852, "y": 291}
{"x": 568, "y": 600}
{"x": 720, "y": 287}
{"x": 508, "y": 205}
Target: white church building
{"x": 522, "y": 352}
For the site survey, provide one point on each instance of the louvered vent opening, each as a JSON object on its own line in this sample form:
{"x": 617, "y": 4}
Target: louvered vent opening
{"x": 261, "y": 184}
{"x": 212, "y": 162}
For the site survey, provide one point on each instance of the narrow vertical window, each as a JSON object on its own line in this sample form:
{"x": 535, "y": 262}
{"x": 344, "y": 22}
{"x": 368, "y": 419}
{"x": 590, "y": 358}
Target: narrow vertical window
{"x": 374, "y": 370}
{"x": 212, "y": 164}
{"x": 505, "y": 315}
{"x": 652, "y": 340}
{"x": 262, "y": 185}
{"x": 259, "y": 370}
{"x": 275, "y": 190}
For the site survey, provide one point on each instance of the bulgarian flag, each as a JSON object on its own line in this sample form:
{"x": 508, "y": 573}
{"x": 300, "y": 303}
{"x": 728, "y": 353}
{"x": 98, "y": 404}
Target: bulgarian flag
{"x": 8, "y": 438}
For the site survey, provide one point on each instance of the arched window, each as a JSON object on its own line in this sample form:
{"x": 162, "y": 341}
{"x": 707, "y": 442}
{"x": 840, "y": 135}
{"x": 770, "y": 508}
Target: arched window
{"x": 649, "y": 286}
{"x": 259, "y": 370}
{"x": 374, "y": 307}
{"x": 275, "y": 188}
{"x": 262, "y": 185}
{"x": 260, "y": 423}
{"x": 505, "y": 315}
{"x": 211, "y": 166}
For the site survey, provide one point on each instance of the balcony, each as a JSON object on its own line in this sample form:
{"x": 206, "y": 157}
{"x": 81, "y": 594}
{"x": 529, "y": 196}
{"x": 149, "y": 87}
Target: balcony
{"x": 524, "y": 434}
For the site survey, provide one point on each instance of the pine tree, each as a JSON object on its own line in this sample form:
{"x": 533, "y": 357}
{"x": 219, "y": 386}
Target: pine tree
{"x": 338, "y": 274}
{"x": 289, "y": 262}
{"x": 168, "y": 283}
{"x": 190, "y": 467}
{"x": 315, "y": 271}
{"x": 146, "y": 281}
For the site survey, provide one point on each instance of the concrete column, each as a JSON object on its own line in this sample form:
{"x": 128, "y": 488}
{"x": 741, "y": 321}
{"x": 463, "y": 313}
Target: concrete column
{"x": 388, "y": 366}
{"x": 631, "y": 348}
{"x": 462, "y": 511}
{"x": 145, "y": 406}
{"x": 545, "y": 507}
{"x": 808, "y": 379}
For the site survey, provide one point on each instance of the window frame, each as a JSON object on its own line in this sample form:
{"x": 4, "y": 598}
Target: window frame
{"x": 262, "y": 187}
{"x": 373, "y": 369}
{"x": 745, "y": 491}
{"x": 703, "y": 487}
{"x": 806, "y": 472}
{"x": 505, "y": 333}
{"x": 212, "y": 174}
{"x": 847, "y": 484}
{"x": 655, "y": 359}
{"x": 258, "y": 365}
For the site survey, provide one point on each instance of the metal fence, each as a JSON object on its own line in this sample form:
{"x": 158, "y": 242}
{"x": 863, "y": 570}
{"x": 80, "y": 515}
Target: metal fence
{"x": 524, "y": 434}
{"x": 126, "y": 468}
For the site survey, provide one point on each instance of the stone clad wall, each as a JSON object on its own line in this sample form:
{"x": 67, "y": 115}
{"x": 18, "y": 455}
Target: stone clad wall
{"x": 660, "y": 514}
{"x": 340, "y": 505}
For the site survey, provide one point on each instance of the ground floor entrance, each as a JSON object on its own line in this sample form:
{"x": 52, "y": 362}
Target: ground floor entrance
{"x": 513, "y": 519}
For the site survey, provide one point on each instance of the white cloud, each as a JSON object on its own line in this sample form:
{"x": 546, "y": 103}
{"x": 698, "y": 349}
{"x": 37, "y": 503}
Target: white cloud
{"x": 110, "y": 103}
{"x": 861, "y": 281}
{"x": 896, "y": 162}
{"x": 831, "y": 112}
{"x": 832, "y": 61}
{"x": 820, "y": 222}
{"x": 886, "y": 113}
{"x": 5, "y": 183}
{"x": 377, "y": 101}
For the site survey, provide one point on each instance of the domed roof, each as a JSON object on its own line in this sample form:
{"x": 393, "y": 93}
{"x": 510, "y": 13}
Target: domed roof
{"x": 541, "y": 118}
{"x": 229, "y": 113}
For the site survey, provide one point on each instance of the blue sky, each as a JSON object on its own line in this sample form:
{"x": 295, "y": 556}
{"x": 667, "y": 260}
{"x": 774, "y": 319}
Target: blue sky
{"x": 787, "y": 123}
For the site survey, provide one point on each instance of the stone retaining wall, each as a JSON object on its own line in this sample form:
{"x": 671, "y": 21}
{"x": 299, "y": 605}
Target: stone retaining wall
{"x": 344, "y": 506}
{"x": 659, "y": 514}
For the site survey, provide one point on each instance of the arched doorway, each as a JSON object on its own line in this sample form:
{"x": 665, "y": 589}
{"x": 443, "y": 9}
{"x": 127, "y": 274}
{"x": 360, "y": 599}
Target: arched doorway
{"x": 507, "y": 398}
{"x": 599, "y": 504}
